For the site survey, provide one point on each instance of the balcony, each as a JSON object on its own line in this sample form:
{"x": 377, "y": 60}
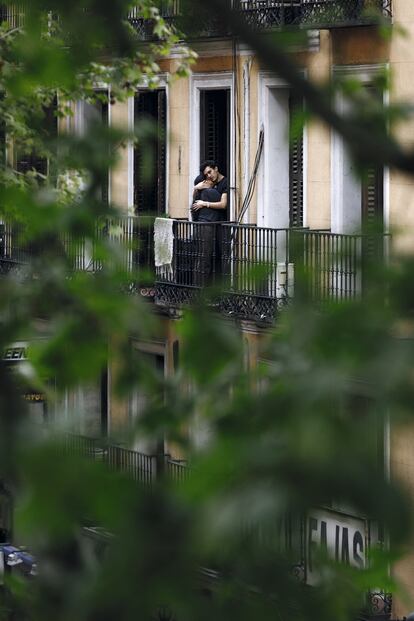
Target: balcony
{"x": 140, "y": 467}
{"x": 290, "y": 535}
{"x": 252, "y": 272}
{"x": 265, "y": 15}
{"x": 122, "y": 243}
{"x": 248, "y": 272}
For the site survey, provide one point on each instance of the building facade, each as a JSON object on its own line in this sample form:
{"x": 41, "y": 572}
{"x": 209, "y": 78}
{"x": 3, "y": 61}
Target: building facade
{"x": 283, "y": 193}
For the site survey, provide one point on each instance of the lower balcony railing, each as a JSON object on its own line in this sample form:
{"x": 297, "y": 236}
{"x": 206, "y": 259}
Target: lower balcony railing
{"x": 292, "y": 535}
{"x": 253, "y": 270}
{"x": 141, "y": 467}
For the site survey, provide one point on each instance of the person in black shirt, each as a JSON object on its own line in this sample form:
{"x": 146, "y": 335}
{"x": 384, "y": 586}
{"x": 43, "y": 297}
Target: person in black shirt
{"x": 210, "y": 194}
{"x": 209, "y": 208}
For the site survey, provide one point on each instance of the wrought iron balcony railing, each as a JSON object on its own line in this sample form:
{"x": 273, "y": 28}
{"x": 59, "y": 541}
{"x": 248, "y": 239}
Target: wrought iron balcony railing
{"x": 289, "y": 534}
{"x": 258, "y": 14}
{"x": 253, "y": 269}
{"x": 140, "y": 467}
{"x": 128, "y": 241}
{"x": 268, "y": 14}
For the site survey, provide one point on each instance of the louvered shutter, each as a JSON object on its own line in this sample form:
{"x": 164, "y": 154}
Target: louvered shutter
{"x": 373, "y": 199}
{"x": 2, "y": 136}
{"x": 149, "y": 190}
{"x": 215, "y": 127}
{"x": 104, "y": 111}
{"x": 295, "y": 169}
{"x": 161, "y": 151}
{"x": 372, "y": 206}
{"x": 372, "y": 202}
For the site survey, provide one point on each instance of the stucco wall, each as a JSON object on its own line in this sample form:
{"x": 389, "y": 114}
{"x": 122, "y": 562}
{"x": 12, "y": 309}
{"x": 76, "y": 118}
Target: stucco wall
{"x": 119, "y": 174}
{"x": 402, "y": 72}
{"x": 179, "y": 130}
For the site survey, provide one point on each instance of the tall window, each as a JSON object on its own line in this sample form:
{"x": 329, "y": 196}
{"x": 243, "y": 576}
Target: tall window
{"x": 94, "y": 113}
{"x": 281, "y": 191}
{"x": 36, "y": 161}
{"x": 150, "y": 173}
{"x": 357, "y": 204}
{"x": 215, "y": 127}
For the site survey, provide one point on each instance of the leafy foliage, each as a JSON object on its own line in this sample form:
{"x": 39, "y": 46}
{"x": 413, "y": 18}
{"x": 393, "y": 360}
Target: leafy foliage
{"x": 302, "y": 429}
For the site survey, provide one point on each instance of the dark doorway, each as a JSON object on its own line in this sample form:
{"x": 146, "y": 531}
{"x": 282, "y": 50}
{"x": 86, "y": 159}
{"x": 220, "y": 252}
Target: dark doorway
{"x": 44, "y": 122}
{"x": 150, "y": 174}
{"x": 95, "y": 117}
{"x": 215, "y": 128}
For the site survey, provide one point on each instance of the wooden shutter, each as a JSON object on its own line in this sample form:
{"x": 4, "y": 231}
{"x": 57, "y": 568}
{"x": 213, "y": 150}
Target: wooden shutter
{"x": 215, "y": 127}
{"x": 103, "y": 108}
{"x": 372, "y": 202}
{"x": 373, "y": 199}
{"x": 372, "y": 206}
{"x": 2, "y": 136}
{"x": 162, "y": 151}
{"x": 295, "y": 169}
{"x": 149, "y": 193}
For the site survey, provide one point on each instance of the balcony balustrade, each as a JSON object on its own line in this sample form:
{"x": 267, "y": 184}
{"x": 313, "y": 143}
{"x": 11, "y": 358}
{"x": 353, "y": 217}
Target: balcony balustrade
{"x": 129, "y": 242}
{"x": 289, "y": 534}
{"x": 258, "y": 14}
{"x": 269, "y": 14}
{"x": 253, "y": 271}
{"x": 140, "y": 467}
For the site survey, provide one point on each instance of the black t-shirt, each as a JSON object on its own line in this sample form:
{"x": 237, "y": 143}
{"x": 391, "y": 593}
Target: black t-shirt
{"x": 208, "y": 214}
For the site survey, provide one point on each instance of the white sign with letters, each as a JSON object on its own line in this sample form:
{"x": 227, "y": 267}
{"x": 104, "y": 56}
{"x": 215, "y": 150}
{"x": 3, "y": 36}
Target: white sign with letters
{"x": 341, "y": 537}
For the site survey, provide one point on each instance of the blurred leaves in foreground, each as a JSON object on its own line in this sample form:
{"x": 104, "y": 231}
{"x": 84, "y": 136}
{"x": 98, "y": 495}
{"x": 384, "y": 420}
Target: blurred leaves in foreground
{"x": 304, "y": 428}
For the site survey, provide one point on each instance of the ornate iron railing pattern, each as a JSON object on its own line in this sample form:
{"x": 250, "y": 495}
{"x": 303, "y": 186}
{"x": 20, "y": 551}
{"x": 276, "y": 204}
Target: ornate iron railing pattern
{"x": 258, "y": 14}
{"x": 268, "y": 14}
{"x": 256, "y": 269}
{"x": 196, "y": 262}
{"x": 257, "y": 276}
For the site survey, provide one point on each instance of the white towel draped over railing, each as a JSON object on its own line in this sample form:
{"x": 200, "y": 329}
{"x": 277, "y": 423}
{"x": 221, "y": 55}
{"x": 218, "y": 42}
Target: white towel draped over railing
{"x": 163, "y": 244}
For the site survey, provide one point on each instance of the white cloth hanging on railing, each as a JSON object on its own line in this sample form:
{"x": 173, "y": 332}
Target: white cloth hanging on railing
{"x": 163, "y": 244}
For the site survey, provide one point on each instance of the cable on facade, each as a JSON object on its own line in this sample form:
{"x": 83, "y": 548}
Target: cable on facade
{"x": 237, "y": 125}
{"x": 252, "y": 181}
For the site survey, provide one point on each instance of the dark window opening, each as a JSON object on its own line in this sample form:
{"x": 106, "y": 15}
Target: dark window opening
{"x": 150, "y": 173}
{"x": 96, "y": 113}
{"x": 35, "y": 161}
{"x": 2, "y": 136}
{"x": 150, "y": 368}
{"x": 104, "y": 402}
{"x": 215, "y": 128}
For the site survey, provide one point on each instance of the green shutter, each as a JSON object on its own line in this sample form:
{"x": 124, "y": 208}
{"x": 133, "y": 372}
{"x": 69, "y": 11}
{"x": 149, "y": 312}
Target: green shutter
{"x": 295, "y": 169}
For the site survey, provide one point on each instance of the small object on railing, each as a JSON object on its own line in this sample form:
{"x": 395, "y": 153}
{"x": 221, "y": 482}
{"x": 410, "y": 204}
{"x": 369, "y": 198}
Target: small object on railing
{"x": 163, "y": 244}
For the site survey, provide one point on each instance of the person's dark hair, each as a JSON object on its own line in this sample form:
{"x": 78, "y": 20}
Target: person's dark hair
{"x": 211, "y": 163}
